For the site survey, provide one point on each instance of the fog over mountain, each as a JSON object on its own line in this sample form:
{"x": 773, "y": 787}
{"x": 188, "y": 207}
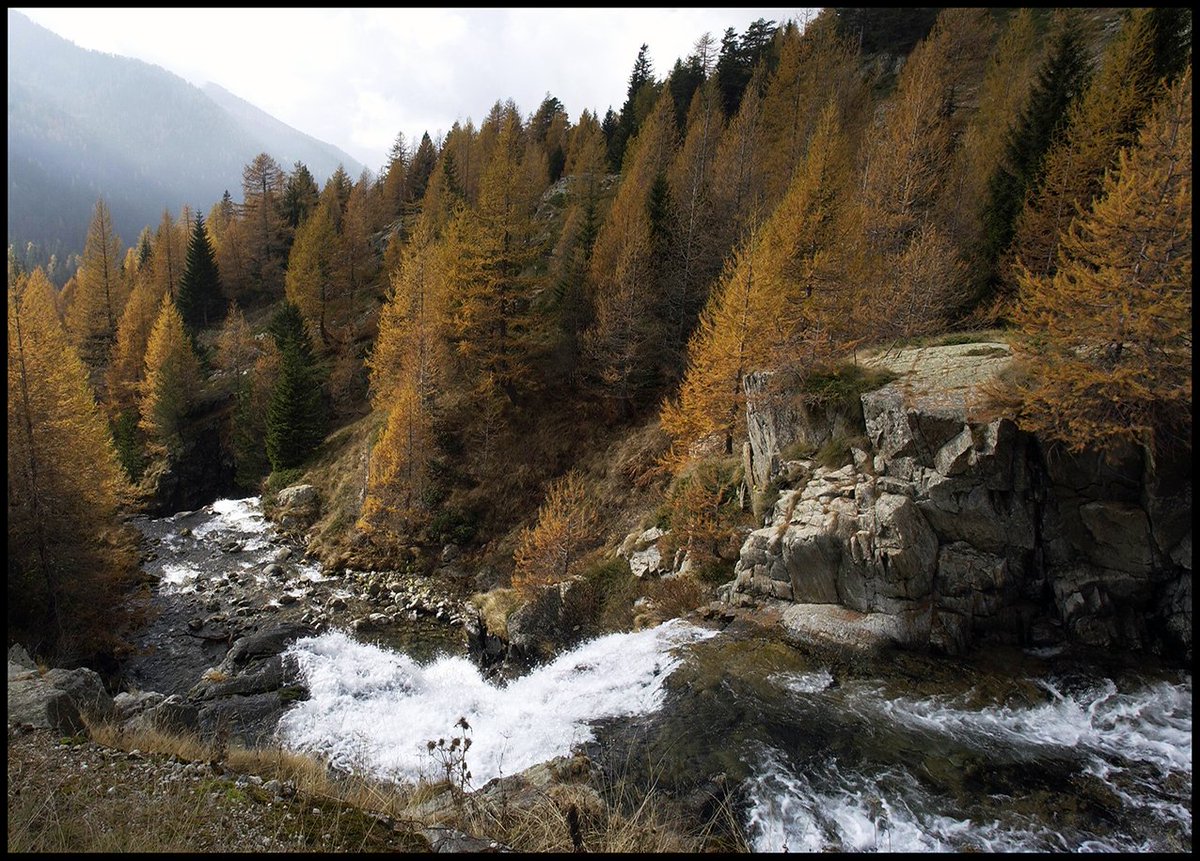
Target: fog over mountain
{"x": 85, "y": 124}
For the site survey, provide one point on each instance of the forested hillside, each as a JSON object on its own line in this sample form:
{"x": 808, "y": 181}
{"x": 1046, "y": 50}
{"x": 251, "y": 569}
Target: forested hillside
{"x": 83, "y": 124}
{"x": 519, "y": 328}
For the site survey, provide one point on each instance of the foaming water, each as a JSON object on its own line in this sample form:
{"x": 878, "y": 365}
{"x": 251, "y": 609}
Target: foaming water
{"x": 1124, "y": 751}
{"x": 1152, "y": 725}
{"x": 374, "y": 711}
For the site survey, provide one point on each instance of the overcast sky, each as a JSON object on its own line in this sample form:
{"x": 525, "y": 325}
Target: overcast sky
{"x": 356, "y": 77}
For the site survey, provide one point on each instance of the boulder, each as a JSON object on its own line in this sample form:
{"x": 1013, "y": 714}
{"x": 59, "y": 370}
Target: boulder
{"x": 35, "y": 702}
{"x": 86, "y": 689}
{"x": 297, "y": 496}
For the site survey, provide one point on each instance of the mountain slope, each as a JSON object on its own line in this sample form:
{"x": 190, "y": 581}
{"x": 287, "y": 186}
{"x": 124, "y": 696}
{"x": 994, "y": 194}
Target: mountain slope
{"x": 285, "y": 143}
{"x": 84, "y": 124}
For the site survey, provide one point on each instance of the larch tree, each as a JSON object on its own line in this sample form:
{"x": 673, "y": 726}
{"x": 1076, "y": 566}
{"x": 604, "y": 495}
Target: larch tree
{"x": 1007, "y": 81}
{"x": 407, "y": 372}
{"x": 133, "y": 334}
{"x": 228, "y": 237}
{"x": 200, "y": 301}
{"x": 624, "y": 349}
{"x": 1108, "y": 336}
{"x": 491, "y": 314}
{"x": 99, "y": 299}
{"x": 1103, "y": 120}
{"x": 1060, "y": 77}
{"x": 266, "y": 232}
{"x": 783, "y": 288}
{"x": 901, "y": 249}
{"x": 171, "y": 381}
{"x": 309, "y": 280}
{"x": 67, "y": 562}
{"x": 169, "y": 252}
{"x": 550, "y": 551}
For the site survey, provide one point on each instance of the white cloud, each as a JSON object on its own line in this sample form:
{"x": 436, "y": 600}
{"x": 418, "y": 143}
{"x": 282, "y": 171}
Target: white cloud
{"x": 356, "y": 77}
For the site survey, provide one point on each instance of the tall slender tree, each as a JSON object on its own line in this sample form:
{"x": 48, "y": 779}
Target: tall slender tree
{"x": 201, "y": 302}
{"x": 66, "y": 563}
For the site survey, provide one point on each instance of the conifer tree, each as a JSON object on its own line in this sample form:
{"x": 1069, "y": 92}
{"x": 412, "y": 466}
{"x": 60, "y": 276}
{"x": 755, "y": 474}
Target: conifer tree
{"x": 1104, "y": 119}
{"x": 228, "y": 237}
{"x": 170, "y": 253}
{"x": 266, "y": 233}
{"x": 624, "y": 350}
{"x": 309, "y": 281}
{"x": 295, "y": 419}
{"x": 1108, "y": 336}
{"x": 200, "y": 300}
{"x": 133, "y": 334}
{"x": 67, "y": 563}
{"x": 99, "y": 300}
{"x": 550, "y": 551}
{"x": 784, "y": 291}
{"x": 171, "y": 381}
{"x": 300, "y": 195}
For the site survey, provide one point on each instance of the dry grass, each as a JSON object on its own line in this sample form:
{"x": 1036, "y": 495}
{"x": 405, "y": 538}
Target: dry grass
{"x": 141, "y": 803}
{"x": 495, "y": 607}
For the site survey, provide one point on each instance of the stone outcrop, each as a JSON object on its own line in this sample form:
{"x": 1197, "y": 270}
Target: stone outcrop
{"x": 963, "y": 531}
{"x": 58, "y": 700}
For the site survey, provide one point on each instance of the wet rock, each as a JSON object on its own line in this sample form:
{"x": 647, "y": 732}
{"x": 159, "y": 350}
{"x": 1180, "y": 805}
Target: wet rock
{"x": 266, "y": 643}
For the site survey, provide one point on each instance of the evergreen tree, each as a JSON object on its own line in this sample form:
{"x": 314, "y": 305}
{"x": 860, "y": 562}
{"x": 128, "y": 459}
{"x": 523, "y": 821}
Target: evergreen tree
{"x": 1059, "y": 80}
{"x": 295, "y": 417}
{"x": 200, "y": 300}
{"x": 67, "y": 562}
{"x": 300, "y": 196}
{"x": 1104, "y": 119}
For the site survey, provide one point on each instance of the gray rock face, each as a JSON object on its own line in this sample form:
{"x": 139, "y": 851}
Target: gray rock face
{"x": 59, "y": 700}
{"x": 960, "y": 531}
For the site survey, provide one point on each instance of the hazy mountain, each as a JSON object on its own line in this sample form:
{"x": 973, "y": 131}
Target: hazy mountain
{"x": 84, "y": 124}
{"x": 285, "y": 143}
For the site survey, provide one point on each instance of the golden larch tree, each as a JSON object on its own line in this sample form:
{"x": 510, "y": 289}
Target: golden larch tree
{"x": 1108, "y": 336}
{"x": 99, "y": 299}
{"x": 68, "y": 559}
{"x": 171, "y": 379}
{"x": 550, "y": 551}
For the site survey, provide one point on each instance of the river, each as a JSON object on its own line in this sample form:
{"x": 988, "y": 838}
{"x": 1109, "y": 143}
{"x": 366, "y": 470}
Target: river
{"x": 1010, "y": 750}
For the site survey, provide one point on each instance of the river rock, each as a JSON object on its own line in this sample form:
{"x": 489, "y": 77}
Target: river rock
{"x": 86, "y": 689}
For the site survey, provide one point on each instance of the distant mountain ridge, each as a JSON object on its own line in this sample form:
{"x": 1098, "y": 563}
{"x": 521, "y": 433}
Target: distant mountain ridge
{"x": 83, "y": 124}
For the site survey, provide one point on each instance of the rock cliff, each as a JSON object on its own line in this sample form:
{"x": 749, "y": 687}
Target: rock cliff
{"x": 952, "y": 531}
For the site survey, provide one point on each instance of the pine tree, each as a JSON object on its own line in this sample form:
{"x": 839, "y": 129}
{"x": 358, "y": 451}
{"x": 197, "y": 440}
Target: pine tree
{"x": 67, "y": 562}
{"x": 171, "y": 381}
{"x": 1108, "y": 336}
{"x": 1060, "y": 78}
{"x": 300, "y": 195}
{"x": 295, "y": 415}
{"x": 200, "y": 300}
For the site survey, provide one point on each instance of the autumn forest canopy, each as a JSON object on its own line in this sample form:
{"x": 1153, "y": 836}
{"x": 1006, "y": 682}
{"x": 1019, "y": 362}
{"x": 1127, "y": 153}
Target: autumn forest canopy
{"x": 503, "y": 302}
